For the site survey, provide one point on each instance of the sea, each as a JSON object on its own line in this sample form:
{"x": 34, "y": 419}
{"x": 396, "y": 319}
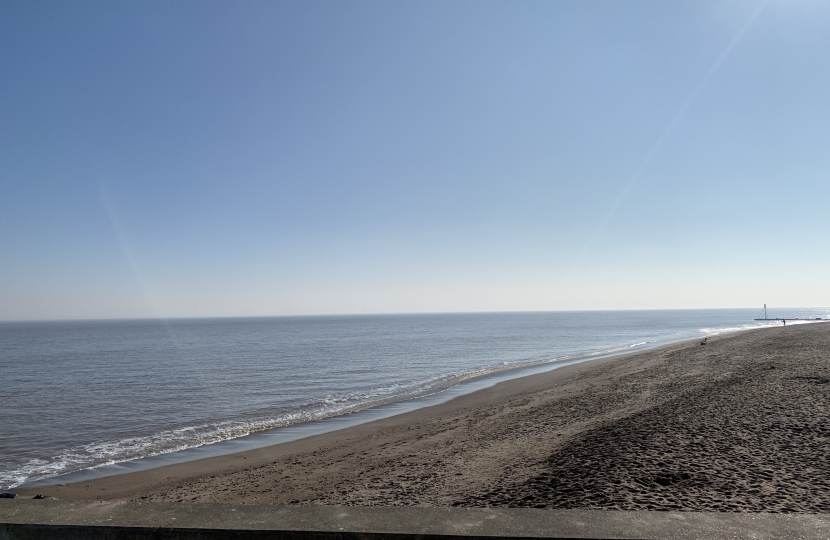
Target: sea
{"x": 83, "y": 399}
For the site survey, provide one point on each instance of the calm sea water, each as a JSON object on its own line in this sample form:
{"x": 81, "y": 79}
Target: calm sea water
{"x": 77, "y": 395}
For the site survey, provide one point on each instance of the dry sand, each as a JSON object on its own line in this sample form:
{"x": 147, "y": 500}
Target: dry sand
{"x": 740, "y": 424}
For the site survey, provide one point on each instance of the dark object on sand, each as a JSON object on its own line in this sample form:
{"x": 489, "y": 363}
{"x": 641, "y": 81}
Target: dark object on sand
{"x": 38, "y": 496}
{"x": 8, "y": 495}
{"x": 703, "y": 342}
{"x": 813, "y": 379}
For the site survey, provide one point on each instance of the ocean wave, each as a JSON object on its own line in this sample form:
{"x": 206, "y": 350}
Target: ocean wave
{"x": 755, "y": 325}
{"x": 106, "y": 453}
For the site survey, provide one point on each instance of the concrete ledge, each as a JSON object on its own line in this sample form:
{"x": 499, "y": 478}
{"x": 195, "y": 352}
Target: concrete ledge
{"x": 35, "y": 519}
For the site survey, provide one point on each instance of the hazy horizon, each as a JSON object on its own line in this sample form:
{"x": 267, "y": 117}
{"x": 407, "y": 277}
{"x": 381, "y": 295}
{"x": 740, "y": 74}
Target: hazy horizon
{"x": 773, "y": 312}
{"x": 218, "y": 159}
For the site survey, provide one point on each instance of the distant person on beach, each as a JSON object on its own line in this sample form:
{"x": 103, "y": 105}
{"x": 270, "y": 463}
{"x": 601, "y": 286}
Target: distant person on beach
{"x": 785, "y": 322}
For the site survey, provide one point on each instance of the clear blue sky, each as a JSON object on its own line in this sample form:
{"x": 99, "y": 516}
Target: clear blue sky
{"x": 271, "y": 158}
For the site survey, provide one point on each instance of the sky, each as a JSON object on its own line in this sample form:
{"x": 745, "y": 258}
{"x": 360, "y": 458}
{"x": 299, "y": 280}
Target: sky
{"x": 247, "y": 158}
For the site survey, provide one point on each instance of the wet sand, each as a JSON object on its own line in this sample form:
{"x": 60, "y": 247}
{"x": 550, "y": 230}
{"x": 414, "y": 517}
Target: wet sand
{"x": 740, "y": 424}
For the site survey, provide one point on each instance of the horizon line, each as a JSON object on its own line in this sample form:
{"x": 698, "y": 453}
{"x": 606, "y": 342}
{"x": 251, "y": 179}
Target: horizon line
{"x": 378, "y": 314}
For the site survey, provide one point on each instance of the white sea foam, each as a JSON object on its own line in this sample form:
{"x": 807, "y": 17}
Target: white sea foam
{"x": 755, "y": 325}
{"x": 105, "y": 453}
{"x": 289, "y": 372}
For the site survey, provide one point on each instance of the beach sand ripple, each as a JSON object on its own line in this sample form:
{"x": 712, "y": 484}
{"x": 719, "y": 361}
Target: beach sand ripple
{"x": 754, "y": 438}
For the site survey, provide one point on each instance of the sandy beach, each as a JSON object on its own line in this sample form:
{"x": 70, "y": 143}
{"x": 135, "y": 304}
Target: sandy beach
{"x": 738, "y": 424}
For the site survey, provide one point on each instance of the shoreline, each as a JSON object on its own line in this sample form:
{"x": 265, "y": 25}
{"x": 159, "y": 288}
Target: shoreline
{"x": 469, "y": 384}
{"x": 736, "y": 425}
{"x": 115, "y": 452}
{"x": 491, "y": 390}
